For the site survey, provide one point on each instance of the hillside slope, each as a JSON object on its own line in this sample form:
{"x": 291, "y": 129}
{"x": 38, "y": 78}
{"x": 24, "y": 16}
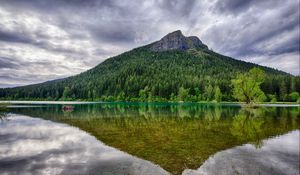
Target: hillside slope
{"x": 157, "y": 72}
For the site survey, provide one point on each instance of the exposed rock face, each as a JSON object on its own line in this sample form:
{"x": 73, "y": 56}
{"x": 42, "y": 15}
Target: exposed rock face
{"x": 177, "y": 41}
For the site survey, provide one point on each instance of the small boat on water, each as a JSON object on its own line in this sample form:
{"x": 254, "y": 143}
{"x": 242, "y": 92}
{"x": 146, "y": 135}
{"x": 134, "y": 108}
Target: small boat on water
{"x": 67, "y": 108}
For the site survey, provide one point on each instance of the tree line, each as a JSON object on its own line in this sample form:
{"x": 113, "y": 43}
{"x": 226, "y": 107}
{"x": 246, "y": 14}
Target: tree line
{"x": 143, "y": 75}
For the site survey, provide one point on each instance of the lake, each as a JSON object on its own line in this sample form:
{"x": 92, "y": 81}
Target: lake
{"x": 149, "y": 138}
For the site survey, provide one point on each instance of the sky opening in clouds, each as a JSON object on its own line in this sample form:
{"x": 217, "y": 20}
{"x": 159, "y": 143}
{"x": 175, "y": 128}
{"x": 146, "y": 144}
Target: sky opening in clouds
{"x": 42, "y": 40}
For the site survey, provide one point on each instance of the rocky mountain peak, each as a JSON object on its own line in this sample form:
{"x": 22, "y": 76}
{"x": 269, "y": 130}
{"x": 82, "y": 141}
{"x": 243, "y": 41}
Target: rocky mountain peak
{"x": 177, "y": 41}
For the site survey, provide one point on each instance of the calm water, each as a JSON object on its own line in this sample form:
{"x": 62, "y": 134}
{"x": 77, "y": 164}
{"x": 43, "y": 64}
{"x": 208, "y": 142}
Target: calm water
{"x": 177, "y": 137}
{"x": 35, "y": 146}
{"x": 277, "y": 156}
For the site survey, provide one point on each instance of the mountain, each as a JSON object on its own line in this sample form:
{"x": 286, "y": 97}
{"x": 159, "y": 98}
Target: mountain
{"x": 171, "y": 69}
{"x": 176, "y": 41}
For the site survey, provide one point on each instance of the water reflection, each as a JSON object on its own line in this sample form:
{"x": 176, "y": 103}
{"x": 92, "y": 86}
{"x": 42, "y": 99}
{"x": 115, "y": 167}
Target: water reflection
{"x": 253, "y": 125}
{"x": 3, "y": 116}
{"x": 35, "y": 146}
{"x": 247, "y": 125}
{"x": 174, "y": 136}
{"x": 109, "y": 110}
{"x": 3, "y": 112}
{"x": 279, "y": 155}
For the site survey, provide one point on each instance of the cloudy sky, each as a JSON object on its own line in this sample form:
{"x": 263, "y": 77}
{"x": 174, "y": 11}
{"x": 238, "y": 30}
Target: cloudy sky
{"x": 43, "y": 40}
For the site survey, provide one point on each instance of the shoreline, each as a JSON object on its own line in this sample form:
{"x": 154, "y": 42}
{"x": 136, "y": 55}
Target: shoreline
{"x": 241, "y": 104}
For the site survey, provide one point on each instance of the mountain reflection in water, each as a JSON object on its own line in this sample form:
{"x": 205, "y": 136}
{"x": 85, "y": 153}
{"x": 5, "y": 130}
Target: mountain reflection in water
{"x": 276, "y": 156}
{"x": 35, "y": 146}
{"x": 174, "y": 136}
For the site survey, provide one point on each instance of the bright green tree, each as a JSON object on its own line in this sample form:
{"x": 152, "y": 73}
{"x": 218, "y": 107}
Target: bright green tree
{"x": 182, "y": 93}
{"x": 218, "y": 94}
{"x": 294, "y": 96}
{"x": 121, "y": 96}
{"x": 208, "y": 93}
{"x": 246, "y": 86}
{"x": 272, "y": 98}
{"x": 142, "y": 95}
{"x": 173, "y": 97}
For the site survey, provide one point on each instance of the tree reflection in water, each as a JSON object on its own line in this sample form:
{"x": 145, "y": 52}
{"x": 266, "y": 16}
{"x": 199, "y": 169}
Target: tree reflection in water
{"x": 247, "y": 125}
{"x": 3, "y": 112}
{"x": 252, "y": 125}
{"x": 3, "y": 116}
{"x": 174, "y": 136}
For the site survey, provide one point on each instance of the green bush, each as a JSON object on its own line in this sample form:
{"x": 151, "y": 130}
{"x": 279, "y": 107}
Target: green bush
{"x": 294, "y": 96}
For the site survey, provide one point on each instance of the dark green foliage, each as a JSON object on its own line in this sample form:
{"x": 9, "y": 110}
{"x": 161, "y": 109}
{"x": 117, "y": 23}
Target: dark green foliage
{"x": 67, "y": 93}
{"x": 144, "y": 75}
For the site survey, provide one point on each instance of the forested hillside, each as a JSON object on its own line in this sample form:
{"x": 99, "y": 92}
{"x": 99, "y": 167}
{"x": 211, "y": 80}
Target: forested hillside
{"x": 143, "y": 74}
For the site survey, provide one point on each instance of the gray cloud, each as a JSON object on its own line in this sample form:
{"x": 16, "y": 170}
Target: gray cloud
{"x": 8, "y": 36}
{"x": 256, "y": 30}
{"x": 177, "y": 7}
{"x": 42, "y": 40}
{"x": 235, "y": 7}
{"x": 111, "y": 34}
{"x": 54, "y": 6}
{"x": 7, "y": 63}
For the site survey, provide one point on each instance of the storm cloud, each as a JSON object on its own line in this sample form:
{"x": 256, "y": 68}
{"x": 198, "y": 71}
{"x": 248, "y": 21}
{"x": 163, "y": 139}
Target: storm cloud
{"x": 43, "y": 40}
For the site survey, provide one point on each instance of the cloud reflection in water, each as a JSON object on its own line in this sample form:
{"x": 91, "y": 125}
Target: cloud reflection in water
{"x": 279, "y": 155}
{"x": 35, "y": 146}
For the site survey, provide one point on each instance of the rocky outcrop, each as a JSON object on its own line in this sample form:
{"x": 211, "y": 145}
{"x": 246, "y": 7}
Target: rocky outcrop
{"x": 177, "y": 41}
